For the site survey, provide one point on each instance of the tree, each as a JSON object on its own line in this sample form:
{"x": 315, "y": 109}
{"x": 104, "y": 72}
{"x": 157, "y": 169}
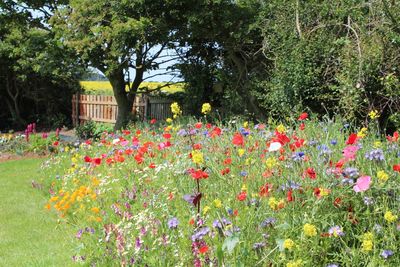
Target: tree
{"x": 37, "y": 75}
{"x": 114, "y": 36}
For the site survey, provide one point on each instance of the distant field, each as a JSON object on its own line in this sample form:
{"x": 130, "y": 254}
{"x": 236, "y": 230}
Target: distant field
{"x": 104, "y": 87}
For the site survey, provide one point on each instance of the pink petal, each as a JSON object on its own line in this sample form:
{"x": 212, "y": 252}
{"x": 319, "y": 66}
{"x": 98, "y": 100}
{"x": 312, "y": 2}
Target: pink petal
{"x": 362, "y": 184}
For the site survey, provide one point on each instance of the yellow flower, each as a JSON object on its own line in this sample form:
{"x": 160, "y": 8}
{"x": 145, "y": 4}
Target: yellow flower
{"x": 175, "y": 109}
{"x": 244, "y": 188}
{"x": 368, "y": 236}
{"x": 246, "y": 124}
{"x": 390, "y": 217}
{"x": 377, "y": 144}
{"x": 271, "y": 162}
{"x": 95, "y": 209}
{"x": 382, "y": 176}
{"x": 310, "y": 230}
{"x": 373, "y": 114}
{"x": 197, "y": 157}
{"x": 367, "y": 245}
{"x": 273, "y": 203}
{"x": 297, "y": 263}
{"x": 206, "y": 209}
{"x": 281, "y": 128}
{"x": 362, "y": 133}
{"x": 217, "y": 203}
{"x": 168, "y": 120}
{"x": 241, "y": 152}
{"x": 288, "y": 243}
{"x": 323, "y": 192}
{"x": 367, "y": 242}
{"x": 206, "y": 108}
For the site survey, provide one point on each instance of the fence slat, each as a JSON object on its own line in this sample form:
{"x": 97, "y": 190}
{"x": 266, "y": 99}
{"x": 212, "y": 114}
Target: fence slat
{"x": 102, "y": 108}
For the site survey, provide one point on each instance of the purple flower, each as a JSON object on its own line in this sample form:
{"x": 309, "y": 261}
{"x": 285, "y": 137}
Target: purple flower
{"x": 182, "y": 132}
{"x": 324, "y": 150}
{"x": 79, "y": 234}
{"x": 268, "y": 222}
{"x": 376, "y": 154}
{"x": 258, "y": 246}
{"x": 336, "y": 231}
{"x": 332, "y": 265}
{"x": 387, "y": 253}
{"x": 200, "y": 233}
{"x": 298, "y": 156}
{"x": 221, "y": 223}
{"x": 333, "y": 141}
{"x": 350, "y": 172}
{"x": 173, "y": 223}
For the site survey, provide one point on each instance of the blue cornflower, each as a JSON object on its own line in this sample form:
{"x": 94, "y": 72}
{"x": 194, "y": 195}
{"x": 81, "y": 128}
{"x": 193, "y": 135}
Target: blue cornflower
{"x": 387, "y": 253}
{"x": 376, "y": 154}
{"x": 173, "y": 223}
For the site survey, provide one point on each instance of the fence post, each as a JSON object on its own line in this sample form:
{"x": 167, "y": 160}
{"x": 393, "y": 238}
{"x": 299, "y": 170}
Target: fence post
{"x": 77, "y": 99}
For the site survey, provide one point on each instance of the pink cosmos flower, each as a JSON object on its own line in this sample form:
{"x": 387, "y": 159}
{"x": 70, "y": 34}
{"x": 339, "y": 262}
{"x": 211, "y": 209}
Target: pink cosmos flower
{"x": 349, "y": 152}
{"x": 362, "y": 184}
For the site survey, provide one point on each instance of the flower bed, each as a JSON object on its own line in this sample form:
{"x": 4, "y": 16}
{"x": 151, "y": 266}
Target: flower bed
{"x": 308, "y": 193}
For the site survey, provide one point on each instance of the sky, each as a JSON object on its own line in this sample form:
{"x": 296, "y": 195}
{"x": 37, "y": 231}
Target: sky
{"x": 155, "y": 75}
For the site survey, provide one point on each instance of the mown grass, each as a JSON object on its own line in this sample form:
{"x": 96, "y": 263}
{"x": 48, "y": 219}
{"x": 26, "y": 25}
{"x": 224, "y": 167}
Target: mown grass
{"x": 28, "y": 234}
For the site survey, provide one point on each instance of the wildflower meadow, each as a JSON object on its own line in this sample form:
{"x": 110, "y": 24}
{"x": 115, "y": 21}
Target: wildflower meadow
{"x": 205, "y": 193}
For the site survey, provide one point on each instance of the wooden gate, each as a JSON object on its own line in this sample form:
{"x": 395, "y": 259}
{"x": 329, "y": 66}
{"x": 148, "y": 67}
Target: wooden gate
{"x": 103, "y": 108}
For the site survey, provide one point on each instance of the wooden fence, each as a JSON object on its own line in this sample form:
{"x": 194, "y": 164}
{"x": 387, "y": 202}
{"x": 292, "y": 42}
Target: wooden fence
{"x": 102, "y": 108}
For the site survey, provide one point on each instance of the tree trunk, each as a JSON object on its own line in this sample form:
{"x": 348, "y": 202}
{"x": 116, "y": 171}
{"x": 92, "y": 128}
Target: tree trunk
{"x": 124, "y": 102}
{"x": 250, "y": 100}
{"x": 14, "y": 107}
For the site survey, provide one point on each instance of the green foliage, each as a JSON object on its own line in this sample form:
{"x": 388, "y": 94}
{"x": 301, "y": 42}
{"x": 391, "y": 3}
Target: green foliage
{"x": 92, "y": 130}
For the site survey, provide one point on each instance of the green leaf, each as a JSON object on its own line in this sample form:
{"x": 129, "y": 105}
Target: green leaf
{"x": 230, "y": 243}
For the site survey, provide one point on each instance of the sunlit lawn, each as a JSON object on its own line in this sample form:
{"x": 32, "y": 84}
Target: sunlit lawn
{"x": 28, "y": 234}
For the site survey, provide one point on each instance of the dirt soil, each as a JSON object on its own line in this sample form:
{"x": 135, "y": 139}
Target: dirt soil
{"x": 12, "y": 156}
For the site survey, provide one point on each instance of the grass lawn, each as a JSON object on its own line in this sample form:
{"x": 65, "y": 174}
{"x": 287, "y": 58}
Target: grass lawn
{"x": 29, "y": 235}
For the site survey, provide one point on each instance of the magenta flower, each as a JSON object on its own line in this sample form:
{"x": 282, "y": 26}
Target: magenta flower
{"x": 362, "y": 184}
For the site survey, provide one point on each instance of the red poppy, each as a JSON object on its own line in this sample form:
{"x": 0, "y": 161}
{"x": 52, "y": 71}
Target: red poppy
{"x": 352, "y": 139}
{"x": 281, "y": 138}
{"x": 152, "y": 165}
{"x": 310, "y": 173}
{"x": 153, "y": 121}
{"x": 264, "y": 190}
{"x": 87, "y": 159}
{"x": 289, "y": 196}
{"x": 110, "y": 161}
{"x": 303, "y": 116}
{"x": 126, "y": 132}
{"x": 225, "y": 171}
{"x": 238, "y": 140}
{"x": 242, "y": 196}
{"x": 198, "y": 174}
{"x": 337, "y": 203}
{"x": 203, "y": 249}
{"x": 197, "y": 146}
{"x": 393, "y": 138}
{"x": 139, "y": 158}
{"x": 170, "y": 196}
{"x": 302, "y": 126}
{"x": 208, "y": 126}
{"x": 129, "y": 151}
{"x": 55, "y": 143}
{"x": 396, "y": 167}
{"x": 215, "y": 132}
{"x": 96, "y": 161}
{"x": 198, "y": 125}
{"x": 167, "y": 135}
{"x": 227, "y": 161}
